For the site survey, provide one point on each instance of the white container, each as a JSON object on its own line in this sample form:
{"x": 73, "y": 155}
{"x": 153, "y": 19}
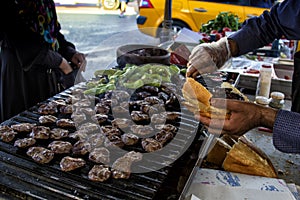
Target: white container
{"x": 277, "y": 100}
{"x": 264, "y": 81}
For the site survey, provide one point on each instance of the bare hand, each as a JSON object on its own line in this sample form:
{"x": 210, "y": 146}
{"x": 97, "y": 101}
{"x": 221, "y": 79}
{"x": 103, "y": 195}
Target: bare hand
{"x": 79, "y": 61}
{"x": 65, "y": 66}
{"x": 244, "y": 117}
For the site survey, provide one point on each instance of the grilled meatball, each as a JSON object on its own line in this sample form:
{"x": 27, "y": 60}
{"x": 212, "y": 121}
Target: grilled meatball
{"x": 78, "y": 117}
{"x": 60, "y": 147}
{"x": 65, "y": 123}
{"x": 58, "y": 133}
{"x": 89, "y": 127}
{"x": 139, "y": 116}
{"x": 134, "y": 156}
{"x": 159, "y": 118}
{"x": 83, "y": 103}
{"x": 59, "y": 102}
{"x": 48, "y": 109}
{"x": 120, "y": 110}
{"x": 87, "y": 110}
{"x": 72, "y": 99}
{"x": 150, "y": 144}
{"x": 108, "y": 131}
{"x": 69, "y": 163}
{"x": 67, "y": 109}
{"x": 148, "y": 109}
{"x": 5, "y": 128}
{"x": 121, "y": 123}
{"x": 40, "y": 154}
{"x": 101, "y": 108}
{"x": 47, "y": 119}
{"x": 78, "y": 135}
{"x": 167, "y": 127}
{"x": 152, "y": 89}
{"x": 8, "y": 136}
{"x": 120, "y": 95}
{"x": 113, "y": 141}
{"x": 81, "y": 147}
{"x": 121, "y": 168}
{"x": 141, "y": 129}
{"x": 77, "y": 92}
{"x": 100, "y": 118}
{"x": 100, "y": 155}
{"x": 40, "y": 132}
{"x": 153, "y": 100}
{"x": 107, "y": 102}
{"x": 24, "y": 142}
{"x": 23, "y": 127}
{"x": 95, "y": 139}
{"x": 169, "y": 88}
{"x": 129, "y": 139}
{"x": 164, "y": 136}
{"x": 99, "y": 173}
{"x": 172, "y": 116}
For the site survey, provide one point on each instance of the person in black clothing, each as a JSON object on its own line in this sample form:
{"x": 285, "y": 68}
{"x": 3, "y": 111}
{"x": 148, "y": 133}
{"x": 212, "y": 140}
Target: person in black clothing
{"x": 32, "y": 47}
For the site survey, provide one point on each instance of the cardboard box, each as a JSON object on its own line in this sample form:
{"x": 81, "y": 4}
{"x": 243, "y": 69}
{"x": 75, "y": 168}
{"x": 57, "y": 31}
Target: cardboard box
{"x": 217, "y": 184}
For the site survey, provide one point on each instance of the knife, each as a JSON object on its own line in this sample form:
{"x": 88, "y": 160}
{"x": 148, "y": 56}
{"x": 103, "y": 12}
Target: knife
{"x": 208, "y": 144}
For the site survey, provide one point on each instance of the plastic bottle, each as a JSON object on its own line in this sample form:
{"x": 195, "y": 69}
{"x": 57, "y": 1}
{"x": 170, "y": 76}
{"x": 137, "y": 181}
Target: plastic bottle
{"x": 264, "y": 81}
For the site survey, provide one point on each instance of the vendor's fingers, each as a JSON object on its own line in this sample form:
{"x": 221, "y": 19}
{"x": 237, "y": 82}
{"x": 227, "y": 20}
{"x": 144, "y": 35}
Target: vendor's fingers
{"x": 217, "y": 123}
{"x": 83, "y": 66}
{"x": 78, "y": 59}
{"x": 204, "y": 120}
{"x": 229, "y": 104}
{"x": 219, "y": 103}
{"x": 191, "y": 71}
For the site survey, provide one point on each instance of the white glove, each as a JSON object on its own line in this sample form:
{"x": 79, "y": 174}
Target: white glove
{"x": 208, "y": 57}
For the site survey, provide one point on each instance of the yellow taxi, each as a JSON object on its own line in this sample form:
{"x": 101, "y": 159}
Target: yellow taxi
{"x": 192, "y": 14}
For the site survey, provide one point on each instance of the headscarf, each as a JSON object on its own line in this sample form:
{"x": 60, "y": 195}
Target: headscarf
{"x": 40, "y": 17}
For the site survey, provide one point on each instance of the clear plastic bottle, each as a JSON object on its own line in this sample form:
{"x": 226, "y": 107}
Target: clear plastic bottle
{"x": 264, "y": 81}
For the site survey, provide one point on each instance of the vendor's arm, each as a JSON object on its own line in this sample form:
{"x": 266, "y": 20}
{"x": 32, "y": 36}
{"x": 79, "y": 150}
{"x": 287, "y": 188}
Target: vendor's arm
{"x": 283, "y": 19}
{"x": 246, "y": 116}
{"x": 68, "y": 51}
{"x": 286, "y": 131}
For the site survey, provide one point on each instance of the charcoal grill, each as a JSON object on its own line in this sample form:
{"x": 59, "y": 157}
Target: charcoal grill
{"x": 22, "y": 178}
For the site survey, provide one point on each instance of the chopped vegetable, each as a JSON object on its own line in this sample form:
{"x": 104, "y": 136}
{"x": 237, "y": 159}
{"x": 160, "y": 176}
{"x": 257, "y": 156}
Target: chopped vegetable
{"x": 132, "y": 77}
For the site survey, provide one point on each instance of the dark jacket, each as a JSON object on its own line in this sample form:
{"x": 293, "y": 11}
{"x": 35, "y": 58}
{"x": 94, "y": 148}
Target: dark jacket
{"x": 25, "y": 60}
{"x": 282, "y": 20}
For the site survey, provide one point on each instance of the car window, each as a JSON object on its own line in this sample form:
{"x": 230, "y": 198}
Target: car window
{"x": 262, "y": 3}
{"x": 254, "y": 3}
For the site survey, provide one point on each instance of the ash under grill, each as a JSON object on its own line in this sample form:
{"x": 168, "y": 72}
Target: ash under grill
{"x": 22, "y": 178}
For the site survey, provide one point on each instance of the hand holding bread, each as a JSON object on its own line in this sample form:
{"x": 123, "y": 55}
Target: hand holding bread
{"x": 198, "y": 98}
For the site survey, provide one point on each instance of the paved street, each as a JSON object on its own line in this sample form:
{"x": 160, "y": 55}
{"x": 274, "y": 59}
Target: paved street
{"x": 98, "y": 33}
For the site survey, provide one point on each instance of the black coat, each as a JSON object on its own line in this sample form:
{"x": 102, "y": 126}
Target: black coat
{"x": 25, "y": 60}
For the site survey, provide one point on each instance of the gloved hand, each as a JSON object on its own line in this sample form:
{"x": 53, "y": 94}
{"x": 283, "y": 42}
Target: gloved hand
{"x": 208, "y": 57}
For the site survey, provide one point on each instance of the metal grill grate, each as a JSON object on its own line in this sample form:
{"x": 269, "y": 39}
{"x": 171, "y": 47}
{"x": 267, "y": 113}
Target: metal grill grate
{"x": 22, "y": 178}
